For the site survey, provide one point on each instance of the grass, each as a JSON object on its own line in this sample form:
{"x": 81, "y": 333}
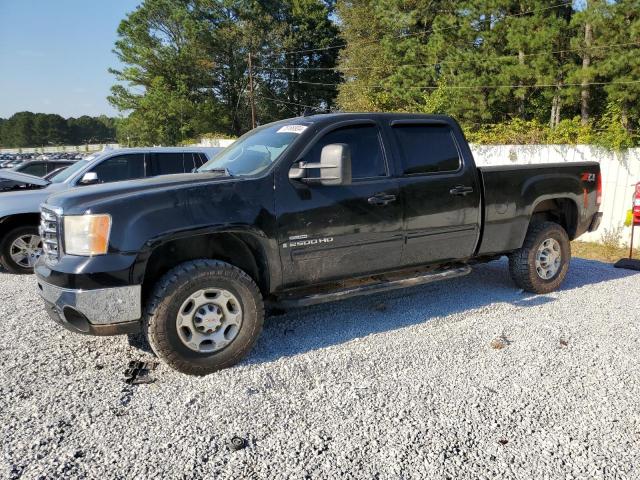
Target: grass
{"x": 598, "y": 251}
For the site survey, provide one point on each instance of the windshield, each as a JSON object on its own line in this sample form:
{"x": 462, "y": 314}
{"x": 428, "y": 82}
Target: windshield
{"x": 255, "y": 151}
{"x": 68, "y": 172}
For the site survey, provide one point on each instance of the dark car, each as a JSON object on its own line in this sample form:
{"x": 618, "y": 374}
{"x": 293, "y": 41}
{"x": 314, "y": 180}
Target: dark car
{"x": 297, "y": 212}
{"x": 37, "y": 168}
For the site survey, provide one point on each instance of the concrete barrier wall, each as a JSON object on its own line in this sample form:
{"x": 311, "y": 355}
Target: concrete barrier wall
{"x": 620, "y": 173}
{"x": 215, "y": 142}
{"x": 64, "y": 148}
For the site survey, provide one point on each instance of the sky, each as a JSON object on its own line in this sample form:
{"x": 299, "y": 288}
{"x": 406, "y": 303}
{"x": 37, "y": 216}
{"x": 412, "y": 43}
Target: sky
{"x": 54, "y": 55}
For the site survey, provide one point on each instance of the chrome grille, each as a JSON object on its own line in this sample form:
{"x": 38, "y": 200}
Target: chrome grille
{"x": 50, "y": 233}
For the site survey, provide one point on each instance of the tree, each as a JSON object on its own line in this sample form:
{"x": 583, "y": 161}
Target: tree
{"x": 624, "y": 66}
{"x": 26, "y": 129}
{"x": 494, "y": 61}
{"x": 193, "y": 55}
{"x": 19, "y": 130}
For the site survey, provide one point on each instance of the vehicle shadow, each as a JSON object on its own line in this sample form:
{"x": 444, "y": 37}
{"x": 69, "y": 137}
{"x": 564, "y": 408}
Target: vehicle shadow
{"x": 311, "y": 328}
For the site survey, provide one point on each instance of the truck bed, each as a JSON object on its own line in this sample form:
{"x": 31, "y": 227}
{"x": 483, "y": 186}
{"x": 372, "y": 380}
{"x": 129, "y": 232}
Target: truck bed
{"x": 512, "y": 193}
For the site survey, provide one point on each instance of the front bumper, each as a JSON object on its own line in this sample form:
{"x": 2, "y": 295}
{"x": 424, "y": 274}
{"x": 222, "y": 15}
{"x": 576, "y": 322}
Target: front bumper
{"x": 103, "y": 311}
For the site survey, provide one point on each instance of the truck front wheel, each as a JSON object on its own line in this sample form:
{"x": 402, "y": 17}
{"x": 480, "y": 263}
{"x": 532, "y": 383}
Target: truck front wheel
{"x": 541, "y": 265}
{"x": 203, "y": 316}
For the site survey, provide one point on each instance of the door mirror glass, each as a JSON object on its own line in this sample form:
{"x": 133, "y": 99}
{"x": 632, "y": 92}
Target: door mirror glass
{"x": 334, "y": 166}
{"x": 89, "y": 178}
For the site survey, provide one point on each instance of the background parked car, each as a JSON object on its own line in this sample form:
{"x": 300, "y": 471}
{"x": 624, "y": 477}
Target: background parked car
{"x": 20, "y": 244}
{"x": 11, "y": 160}
{"x": 37, "y": 168}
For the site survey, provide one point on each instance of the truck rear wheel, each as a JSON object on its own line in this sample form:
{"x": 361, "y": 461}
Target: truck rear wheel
{"x": 203, "y": 316}
{"x": 20, "y": 249}
{"x": 541, "y": 265}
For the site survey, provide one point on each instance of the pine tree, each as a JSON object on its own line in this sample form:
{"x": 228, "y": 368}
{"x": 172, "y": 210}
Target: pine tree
{"x": 624, "y": 64}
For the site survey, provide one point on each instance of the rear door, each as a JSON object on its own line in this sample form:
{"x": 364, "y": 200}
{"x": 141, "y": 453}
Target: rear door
{"x": 333, "y": 232}
{"x": 439, "y": 191}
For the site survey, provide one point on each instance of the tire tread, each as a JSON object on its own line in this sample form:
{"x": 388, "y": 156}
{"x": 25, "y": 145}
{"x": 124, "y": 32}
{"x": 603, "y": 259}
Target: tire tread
{"x": 520, "y": 267}
{"x": 160, "y": 300}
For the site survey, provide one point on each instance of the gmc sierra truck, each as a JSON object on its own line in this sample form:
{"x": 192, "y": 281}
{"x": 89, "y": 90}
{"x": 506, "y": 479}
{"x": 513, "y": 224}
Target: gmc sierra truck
{"x": 297, "y": 212}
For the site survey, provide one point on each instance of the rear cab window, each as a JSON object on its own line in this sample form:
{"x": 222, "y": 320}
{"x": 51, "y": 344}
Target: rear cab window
{"x": 426, "y": 148}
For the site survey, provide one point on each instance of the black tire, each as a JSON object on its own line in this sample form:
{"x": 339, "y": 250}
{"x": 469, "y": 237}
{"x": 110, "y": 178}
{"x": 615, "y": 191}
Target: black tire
{"x": 522, "y": 263}
{"x": 5, "y": 257}
{"x": 174, "y": 288}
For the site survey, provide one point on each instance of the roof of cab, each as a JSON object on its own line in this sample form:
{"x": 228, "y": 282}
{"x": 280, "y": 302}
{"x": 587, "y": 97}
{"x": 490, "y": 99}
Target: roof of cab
{"x": 161, "y": 149}
{"x": 379, "y": 116}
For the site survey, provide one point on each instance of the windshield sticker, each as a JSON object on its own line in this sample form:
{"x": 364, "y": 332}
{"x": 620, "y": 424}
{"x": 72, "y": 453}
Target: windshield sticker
{"x": 292, "y": 129}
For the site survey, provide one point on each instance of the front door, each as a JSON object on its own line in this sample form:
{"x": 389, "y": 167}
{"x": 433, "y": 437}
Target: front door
{"x": 334, "y": 232}
{"x": 439, "y": 192}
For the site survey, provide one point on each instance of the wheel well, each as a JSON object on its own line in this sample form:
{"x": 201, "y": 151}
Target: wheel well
{"x": 21, "y": 220}
{"x": 562, "y": 211}
{"x": 241, "y": 250}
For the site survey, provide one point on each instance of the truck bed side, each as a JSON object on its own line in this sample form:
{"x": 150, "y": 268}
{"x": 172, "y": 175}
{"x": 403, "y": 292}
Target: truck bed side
{"x": 512, "y": 194}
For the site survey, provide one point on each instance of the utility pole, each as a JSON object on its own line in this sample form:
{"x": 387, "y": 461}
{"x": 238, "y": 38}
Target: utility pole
{"x": 253, "y": 106}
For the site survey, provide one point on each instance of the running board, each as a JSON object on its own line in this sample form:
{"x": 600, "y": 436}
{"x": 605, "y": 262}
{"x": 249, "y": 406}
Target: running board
{"x": 378, "y": 287}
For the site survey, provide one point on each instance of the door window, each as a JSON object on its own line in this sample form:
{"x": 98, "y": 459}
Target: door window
{"x": 193, "y": 160}
{"x": 120, "y": 167}
{"x": 367, "y": 158}
{"x": 168, "y": 163}
{"x": 199, "y": 159}
{"x": 36, "y": 169}
{"x": 427, "y": 148}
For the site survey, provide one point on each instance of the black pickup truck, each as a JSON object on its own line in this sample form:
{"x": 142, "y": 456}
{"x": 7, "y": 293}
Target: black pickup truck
{"x": 297, "y": 212}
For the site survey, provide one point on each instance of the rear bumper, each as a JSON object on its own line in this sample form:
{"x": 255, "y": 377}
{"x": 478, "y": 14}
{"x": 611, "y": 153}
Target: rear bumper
{"x": 104, "y": 311}
{"x": 595, "y": 221}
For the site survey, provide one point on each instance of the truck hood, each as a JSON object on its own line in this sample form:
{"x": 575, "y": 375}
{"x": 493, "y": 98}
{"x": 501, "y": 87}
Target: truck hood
{"x": 82, "y": 199}
{"x": 23, "y": 178}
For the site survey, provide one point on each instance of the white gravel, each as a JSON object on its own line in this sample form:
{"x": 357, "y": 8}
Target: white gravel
{"x": 404, "y": 385}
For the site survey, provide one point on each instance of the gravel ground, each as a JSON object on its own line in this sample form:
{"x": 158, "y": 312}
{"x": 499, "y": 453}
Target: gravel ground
{"x": 469, "y": 378}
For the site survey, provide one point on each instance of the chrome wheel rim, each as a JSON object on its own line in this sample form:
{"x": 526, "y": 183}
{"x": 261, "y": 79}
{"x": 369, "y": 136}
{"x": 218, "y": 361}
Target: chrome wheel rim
{"x": 26, "y": 250}
{"x": 209, "y": 320}
{"x": 548, "y": 258}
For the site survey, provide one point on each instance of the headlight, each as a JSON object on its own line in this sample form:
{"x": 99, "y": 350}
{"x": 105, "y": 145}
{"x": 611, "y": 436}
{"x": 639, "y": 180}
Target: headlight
{"x": 86, "y": 235}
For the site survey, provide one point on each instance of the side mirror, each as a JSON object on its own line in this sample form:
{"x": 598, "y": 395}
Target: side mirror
{"x": 334, "y": 166}
{"x": 89, "y": 178}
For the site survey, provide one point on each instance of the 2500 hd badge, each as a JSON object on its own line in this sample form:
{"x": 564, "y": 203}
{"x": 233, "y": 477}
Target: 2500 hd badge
{"x": 304, "y": 242}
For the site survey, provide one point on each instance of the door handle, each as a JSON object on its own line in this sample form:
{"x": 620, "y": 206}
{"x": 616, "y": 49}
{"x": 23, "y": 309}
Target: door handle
{"x": 381, "y": 199}
{"x": 461, "y": 190}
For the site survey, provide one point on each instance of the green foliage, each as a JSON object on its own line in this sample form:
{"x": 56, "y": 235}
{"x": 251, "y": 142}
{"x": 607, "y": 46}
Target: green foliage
{"x": 186, "y": 65}
{"x": 608, "y": 132}
{"x": 516, "y": 132}
{"x": 27, "y": 129}
{"x": 510, "y": 71}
